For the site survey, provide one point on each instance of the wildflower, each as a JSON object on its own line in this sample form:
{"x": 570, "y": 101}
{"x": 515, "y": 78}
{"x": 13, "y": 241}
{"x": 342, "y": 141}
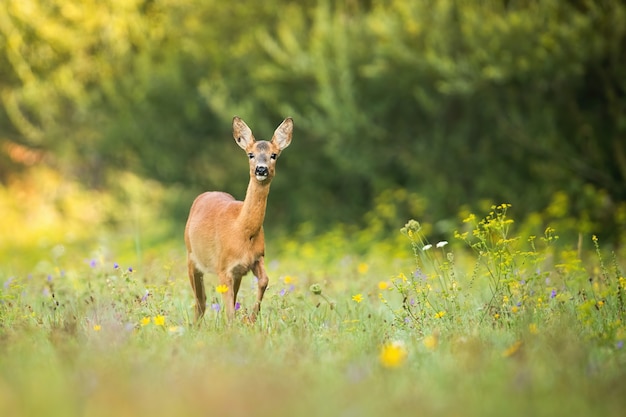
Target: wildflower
{"x": 130, "y": 269}
{"x": 7, "y": 283}
{"x": 532, "y": 328}
{"x": 222, "y": 288}
{"x": 116, "y": 265}
{"x": 93, "y": 263}
{"x": 393, "y": 354}
{"x": 145, "y": 296}
{"x": 288, "y": 279}
{"x": 159, "y": 320}
{"x": 97, "y": 327}
{"x": 440, "y": 314}
{"x": 237, "y": 306}
{"x": 216, "y": 307}
{"x": 427, "y": 247}
{"x": 442, "y": 244}
{"x": 316, "y": 289}
{"x": 430, "y": 342}
{"x": 513, "y": 349}
{"x": 357, "y": 298}
{"x": 383, "y": 285}
{"x": 619, "y": 344}
{"x": 382, "y": 298}
{"x": 145, "y": 321}
{"x": 552, "y": 293}
{"x": 176, "y": 330}
{"x": 363, "y": 268}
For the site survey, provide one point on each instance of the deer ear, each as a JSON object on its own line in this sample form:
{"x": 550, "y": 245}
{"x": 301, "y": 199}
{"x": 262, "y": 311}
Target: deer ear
{"x": 242, "y": 133}
{"x": 282, "y": 134}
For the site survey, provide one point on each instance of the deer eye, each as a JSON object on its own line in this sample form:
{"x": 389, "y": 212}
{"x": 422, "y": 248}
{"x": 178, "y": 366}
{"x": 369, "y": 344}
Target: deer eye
{"x": 273, "y": 156}
{"x": 251, "y": 155}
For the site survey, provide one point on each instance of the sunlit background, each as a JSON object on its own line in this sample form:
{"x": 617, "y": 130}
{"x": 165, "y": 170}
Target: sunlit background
{"x": 115, "y": 114}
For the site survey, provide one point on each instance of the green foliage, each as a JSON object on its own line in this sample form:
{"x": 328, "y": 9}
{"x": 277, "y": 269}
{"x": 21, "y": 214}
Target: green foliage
{"x": 527, "y": 320}
{"x": 514, "y": 284}
{"x": 463, "y": 101}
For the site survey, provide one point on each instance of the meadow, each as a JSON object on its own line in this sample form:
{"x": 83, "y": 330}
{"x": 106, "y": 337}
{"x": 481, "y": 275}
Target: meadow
{"x": 96, "y": 317}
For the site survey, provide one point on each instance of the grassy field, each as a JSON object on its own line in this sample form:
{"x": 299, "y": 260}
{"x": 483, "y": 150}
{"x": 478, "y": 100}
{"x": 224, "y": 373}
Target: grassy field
{"x": 491, "y": 323}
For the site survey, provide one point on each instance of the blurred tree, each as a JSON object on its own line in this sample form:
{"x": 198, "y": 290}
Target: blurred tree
{"x": 459, "y": 101}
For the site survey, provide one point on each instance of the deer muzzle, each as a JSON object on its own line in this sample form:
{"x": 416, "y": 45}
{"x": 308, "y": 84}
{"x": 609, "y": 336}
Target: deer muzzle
{"x": 261, "y": 172}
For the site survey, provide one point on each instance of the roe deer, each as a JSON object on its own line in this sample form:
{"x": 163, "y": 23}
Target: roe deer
{"x": 225, "y": 236}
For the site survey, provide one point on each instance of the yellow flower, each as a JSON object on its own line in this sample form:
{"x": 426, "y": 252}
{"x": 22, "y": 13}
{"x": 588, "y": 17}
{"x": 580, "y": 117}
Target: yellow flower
{"x": 288, "y": 280}
{"x": 383, "y": 285}
{"x": 440, "y": 314}
{"x": 145, "y": 321}
{"x": 222, "y": 288}
{"x": 159, "y": 320}
{"x": 532, "y": 328}
{"x": 393, "y": 354}
{"x": 363, "y": 268}
{"x": 357, "y": 298}
{"x": 97, "y": 327}
{"x": 430, "y": 342}
{"x": 382, "y": 298}
{"x": 512, "y": 350}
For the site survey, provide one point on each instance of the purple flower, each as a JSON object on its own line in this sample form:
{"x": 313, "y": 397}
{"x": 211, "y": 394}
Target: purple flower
{"x": 619, "y": 344}
{"x": 116, "y": 265}
{"x": 7, "y": 283}
{"x": 49, "y": 278}
{"x": 130, "y": 269}
{"x": 419, "y": 274}
{"x": 145, "y": 296}
{"x": 283, "y": 292}
{"x": 93, "y": 263}
{"x": 237, "y": 306}
{"x": 553, "y": 294}
{"x": 216, "y": 307}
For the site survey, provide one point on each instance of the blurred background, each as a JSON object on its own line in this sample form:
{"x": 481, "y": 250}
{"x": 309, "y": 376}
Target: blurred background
{"x": 115, "y": 114}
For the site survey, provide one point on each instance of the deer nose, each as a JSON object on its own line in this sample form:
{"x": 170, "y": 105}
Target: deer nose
{"x": 261, "y": 171}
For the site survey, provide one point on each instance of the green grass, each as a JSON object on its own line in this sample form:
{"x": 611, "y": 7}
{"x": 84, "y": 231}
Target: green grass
{"x": 496, "y": 325}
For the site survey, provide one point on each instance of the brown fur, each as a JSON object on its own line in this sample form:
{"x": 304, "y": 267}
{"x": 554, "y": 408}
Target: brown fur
{"x": 225, "y": 236}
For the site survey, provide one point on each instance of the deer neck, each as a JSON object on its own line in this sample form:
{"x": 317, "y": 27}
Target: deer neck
{"x": 253, "y": 210}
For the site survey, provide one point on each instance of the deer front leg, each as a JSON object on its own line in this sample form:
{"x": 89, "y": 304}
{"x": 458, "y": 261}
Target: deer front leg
{"x": 263, "y": 280}
{"x": 196, "y": 278}
{"x": 232, "y": 282}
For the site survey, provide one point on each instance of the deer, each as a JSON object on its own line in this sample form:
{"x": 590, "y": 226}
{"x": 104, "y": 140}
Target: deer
{"x": 224, "y": 236}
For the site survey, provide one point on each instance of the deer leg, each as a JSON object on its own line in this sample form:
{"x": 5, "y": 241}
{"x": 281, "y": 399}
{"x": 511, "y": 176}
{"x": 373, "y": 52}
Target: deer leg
{"x": 230, "y": 296}
{"x": 196, "y": 277}
{"x": 263, "y": 280}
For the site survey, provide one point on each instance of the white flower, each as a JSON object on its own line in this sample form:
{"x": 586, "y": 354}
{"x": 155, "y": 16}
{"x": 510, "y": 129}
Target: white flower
{"x": 426, "y": 247}
{"x": 442, "y": 243}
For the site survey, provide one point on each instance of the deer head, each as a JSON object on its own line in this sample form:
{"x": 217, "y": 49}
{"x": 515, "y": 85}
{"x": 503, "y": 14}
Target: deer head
{"x": 262, "y": 154}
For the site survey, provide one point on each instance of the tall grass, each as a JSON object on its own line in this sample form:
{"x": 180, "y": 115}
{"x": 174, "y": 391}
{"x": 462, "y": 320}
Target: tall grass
{"x": 487, "y": 322}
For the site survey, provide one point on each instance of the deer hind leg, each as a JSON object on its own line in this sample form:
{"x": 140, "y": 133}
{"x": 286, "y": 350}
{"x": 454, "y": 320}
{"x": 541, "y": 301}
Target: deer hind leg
{"x": 263, "y": 280}
{"x": 196, "y": 277}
